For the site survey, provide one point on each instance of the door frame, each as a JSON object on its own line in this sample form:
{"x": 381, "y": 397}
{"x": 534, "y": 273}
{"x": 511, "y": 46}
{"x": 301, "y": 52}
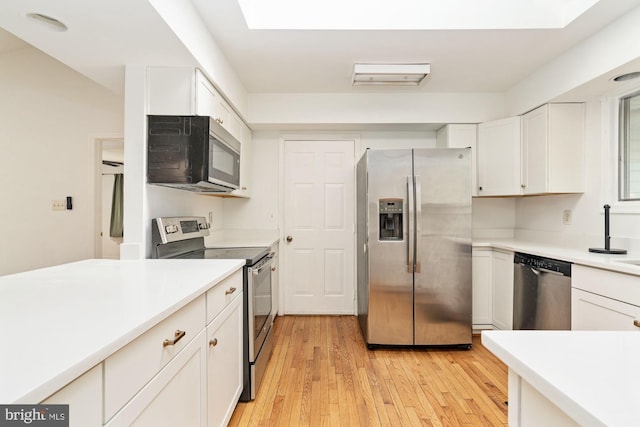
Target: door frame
{"x": 98, "y": 145}
{"x": 312, "y": 136}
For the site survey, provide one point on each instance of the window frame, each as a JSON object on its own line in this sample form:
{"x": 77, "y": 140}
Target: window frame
{"x": 622, "y": 131}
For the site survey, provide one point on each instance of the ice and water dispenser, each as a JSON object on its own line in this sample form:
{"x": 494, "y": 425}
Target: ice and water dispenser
{"x": 391, "y": 214}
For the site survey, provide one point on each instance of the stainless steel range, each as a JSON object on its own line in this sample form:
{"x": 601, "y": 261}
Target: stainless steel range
{"x": 183, "y": 237}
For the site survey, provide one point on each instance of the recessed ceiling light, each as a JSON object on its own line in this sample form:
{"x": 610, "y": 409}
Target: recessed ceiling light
{"x": 627, "y": 76}
{"x": 52, "y": 23}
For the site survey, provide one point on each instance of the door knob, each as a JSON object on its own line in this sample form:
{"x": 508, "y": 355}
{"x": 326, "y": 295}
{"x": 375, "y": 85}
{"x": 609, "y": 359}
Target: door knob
{"x": 289, "y": 239}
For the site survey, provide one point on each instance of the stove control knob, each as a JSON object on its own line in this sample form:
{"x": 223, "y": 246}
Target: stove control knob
{"x": 170, "y": 229}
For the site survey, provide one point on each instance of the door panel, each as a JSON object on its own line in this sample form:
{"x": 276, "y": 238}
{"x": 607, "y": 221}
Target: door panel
{"x": 390, "y": 291}
{"x": 319, "y": 216}
{"x": 443, "y": 283}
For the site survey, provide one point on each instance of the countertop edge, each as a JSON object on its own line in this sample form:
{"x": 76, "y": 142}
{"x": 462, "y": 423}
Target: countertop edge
{"x": 569, "y": 406}
{"x": 65, "y": 377}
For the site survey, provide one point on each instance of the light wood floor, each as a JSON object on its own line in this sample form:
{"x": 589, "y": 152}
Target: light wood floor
{"x": 321, "y": 374}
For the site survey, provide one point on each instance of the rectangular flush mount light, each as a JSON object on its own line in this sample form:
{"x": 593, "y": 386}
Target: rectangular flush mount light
{"x": 390, "y": 74}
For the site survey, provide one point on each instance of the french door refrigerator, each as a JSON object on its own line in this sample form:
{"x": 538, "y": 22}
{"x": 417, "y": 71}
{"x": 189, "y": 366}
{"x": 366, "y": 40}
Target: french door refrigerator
{"x": 414, "y": 247}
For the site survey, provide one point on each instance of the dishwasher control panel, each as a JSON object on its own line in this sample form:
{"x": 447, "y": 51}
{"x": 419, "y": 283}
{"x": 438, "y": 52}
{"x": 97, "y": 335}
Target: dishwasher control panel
{"x": 549, "y": 264}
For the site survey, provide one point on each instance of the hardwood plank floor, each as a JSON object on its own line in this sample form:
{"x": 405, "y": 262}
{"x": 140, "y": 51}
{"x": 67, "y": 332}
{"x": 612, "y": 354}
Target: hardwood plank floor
{"x": 321, "y": 374}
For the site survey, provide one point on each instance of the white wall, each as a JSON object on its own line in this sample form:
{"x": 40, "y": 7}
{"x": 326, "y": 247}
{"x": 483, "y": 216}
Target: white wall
{"x": 49, "y": 118}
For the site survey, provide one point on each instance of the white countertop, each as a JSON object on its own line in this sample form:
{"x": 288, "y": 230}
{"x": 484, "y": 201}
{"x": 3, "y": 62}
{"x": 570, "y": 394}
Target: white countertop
{"x": 59, "y": 322}
{"x": 591, "y": 376}
{"x": 580, "y": 256}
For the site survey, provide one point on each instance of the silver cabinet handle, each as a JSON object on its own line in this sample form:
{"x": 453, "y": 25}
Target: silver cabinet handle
{"x": 213, "y": 342}
{"x": 177, "y": 337}
{"x": 636, "y": 323}
{"x": 230, "y": 291}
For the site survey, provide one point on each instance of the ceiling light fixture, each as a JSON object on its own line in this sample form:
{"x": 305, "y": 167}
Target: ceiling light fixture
{"x": 627, "y": 76}
{"x": 52, "y": 23}
{"x": 390, "y": 74}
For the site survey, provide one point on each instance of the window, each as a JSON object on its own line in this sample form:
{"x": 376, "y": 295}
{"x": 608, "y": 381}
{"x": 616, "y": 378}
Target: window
{"x": 629, "y": 133}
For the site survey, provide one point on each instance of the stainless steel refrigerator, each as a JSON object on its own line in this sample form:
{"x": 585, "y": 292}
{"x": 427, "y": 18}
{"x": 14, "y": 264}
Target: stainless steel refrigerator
{"x": 414, "y": 247}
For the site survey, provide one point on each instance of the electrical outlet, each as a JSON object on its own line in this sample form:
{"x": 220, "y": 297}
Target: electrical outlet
{"x": 566, "y": 217}
{"x": 59, "y": 205}
{"x": 210, "y": 218}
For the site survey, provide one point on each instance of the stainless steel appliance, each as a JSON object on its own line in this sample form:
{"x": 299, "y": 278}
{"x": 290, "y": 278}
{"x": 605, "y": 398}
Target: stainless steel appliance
{"x": 183, "y": 237}
{"x": 541, "y": 293}
{"x": 193, "y": 153}
{"x": 414, "y": 247}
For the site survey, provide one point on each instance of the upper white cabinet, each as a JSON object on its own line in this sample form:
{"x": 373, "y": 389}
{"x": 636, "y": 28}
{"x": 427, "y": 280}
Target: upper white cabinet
{"x": 461, "y": 136}
{"x": 498, "y": 157}
{"x": 552, "y": 149}
{"x": 184, "y": 91}
{"x": 540, "y": 152}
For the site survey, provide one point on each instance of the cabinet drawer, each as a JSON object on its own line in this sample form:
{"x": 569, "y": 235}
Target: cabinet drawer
{"x": 222, "y": 294}
{"x": 130, "y": 368}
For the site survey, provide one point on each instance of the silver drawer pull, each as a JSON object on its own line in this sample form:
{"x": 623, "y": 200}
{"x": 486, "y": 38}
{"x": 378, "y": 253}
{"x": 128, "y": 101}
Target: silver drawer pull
{"x": 178, "y": 336}
{"x": 230, "y": 291}
{"x": 213, "y": 342}
{"x": 636, "y": 323}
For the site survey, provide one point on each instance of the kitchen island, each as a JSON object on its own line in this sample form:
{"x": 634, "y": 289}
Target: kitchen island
{"x": 63, "y": 321}
{"x": 570, "y": 378}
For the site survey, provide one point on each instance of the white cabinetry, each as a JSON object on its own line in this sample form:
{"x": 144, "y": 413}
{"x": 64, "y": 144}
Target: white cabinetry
{"x": 84, "y": 397}
{"x": 275, "y": 280}
{"x": 224, "y": 363}
{"x": 175, "y": 396}
{"x": 185, "y": 91}
{"x": 498, "y": 157}
{"x": 502, "y": 281}
{"x": 461, "y": 136}
{"x": 482, "y": 295}
{"x": 552, "y": 149}
{"x": 604, "y": 300}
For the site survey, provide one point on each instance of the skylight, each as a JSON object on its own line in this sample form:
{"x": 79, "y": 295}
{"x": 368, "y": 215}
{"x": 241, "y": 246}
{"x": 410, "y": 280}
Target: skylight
{"x": 411, "y": 14}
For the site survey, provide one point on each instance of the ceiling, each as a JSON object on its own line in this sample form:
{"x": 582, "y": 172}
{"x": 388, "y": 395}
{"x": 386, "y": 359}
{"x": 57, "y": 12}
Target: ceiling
{"x": 105, "y": 35}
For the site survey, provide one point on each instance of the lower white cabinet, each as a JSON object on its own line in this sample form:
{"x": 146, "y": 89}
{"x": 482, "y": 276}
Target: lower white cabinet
{"x": 604, "y": 300}
{"x": 84, "y": 397}
{"x": 175, "y": 396}
{"x": 492, "y": 289}
{"x": 224, "y": 363}
{"x": 502, "y": 280}
{"x": 591, "y": 312}
{"x": 482, "y": 296}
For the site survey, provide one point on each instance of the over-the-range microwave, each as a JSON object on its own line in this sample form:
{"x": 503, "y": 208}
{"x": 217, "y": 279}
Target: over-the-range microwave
{"x": 193, "y": 153}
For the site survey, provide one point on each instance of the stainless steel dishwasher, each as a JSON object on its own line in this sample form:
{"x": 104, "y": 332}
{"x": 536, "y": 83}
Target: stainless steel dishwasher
{"x": 541, "y": 293}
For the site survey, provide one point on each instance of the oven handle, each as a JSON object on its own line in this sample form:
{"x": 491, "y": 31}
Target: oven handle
{"x": 268, "y": 260}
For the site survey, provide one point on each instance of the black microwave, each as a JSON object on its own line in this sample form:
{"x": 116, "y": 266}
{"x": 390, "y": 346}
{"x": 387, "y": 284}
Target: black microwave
{"x": 193, "y": 153}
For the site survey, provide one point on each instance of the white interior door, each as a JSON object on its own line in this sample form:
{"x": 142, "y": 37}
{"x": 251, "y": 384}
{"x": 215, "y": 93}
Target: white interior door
{"x": 319, "y": 212}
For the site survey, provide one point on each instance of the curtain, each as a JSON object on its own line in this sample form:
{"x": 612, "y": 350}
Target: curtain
{"x": 117, "y": 208}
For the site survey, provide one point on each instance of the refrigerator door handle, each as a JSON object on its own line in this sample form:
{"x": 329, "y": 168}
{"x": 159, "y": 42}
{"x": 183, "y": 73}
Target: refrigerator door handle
{"x": 418, "y": 222}
{"x": 410, "y": 217}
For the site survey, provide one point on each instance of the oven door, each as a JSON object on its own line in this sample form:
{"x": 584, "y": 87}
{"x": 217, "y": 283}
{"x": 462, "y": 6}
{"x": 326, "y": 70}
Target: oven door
{"x": 259, "y": 304}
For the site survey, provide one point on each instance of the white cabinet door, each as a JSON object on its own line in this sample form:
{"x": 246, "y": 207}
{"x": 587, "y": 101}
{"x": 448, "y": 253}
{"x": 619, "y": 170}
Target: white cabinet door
{"x": 245, "y": 164}
{"x": 498, "y": 157}
{"x": 482, "y": 295}
{"x": 206, "y": 96}
{"x": 552, "y": 149}
{"x": 592, "y": 312}
{"x": 175, "y": 396}
{"x": 84, "y": 397}
{"x": 275, "y": 280}
{"x": 502, "y": 272}
{"x": 224, "y": 363}
{"x": 461, "y": 136}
